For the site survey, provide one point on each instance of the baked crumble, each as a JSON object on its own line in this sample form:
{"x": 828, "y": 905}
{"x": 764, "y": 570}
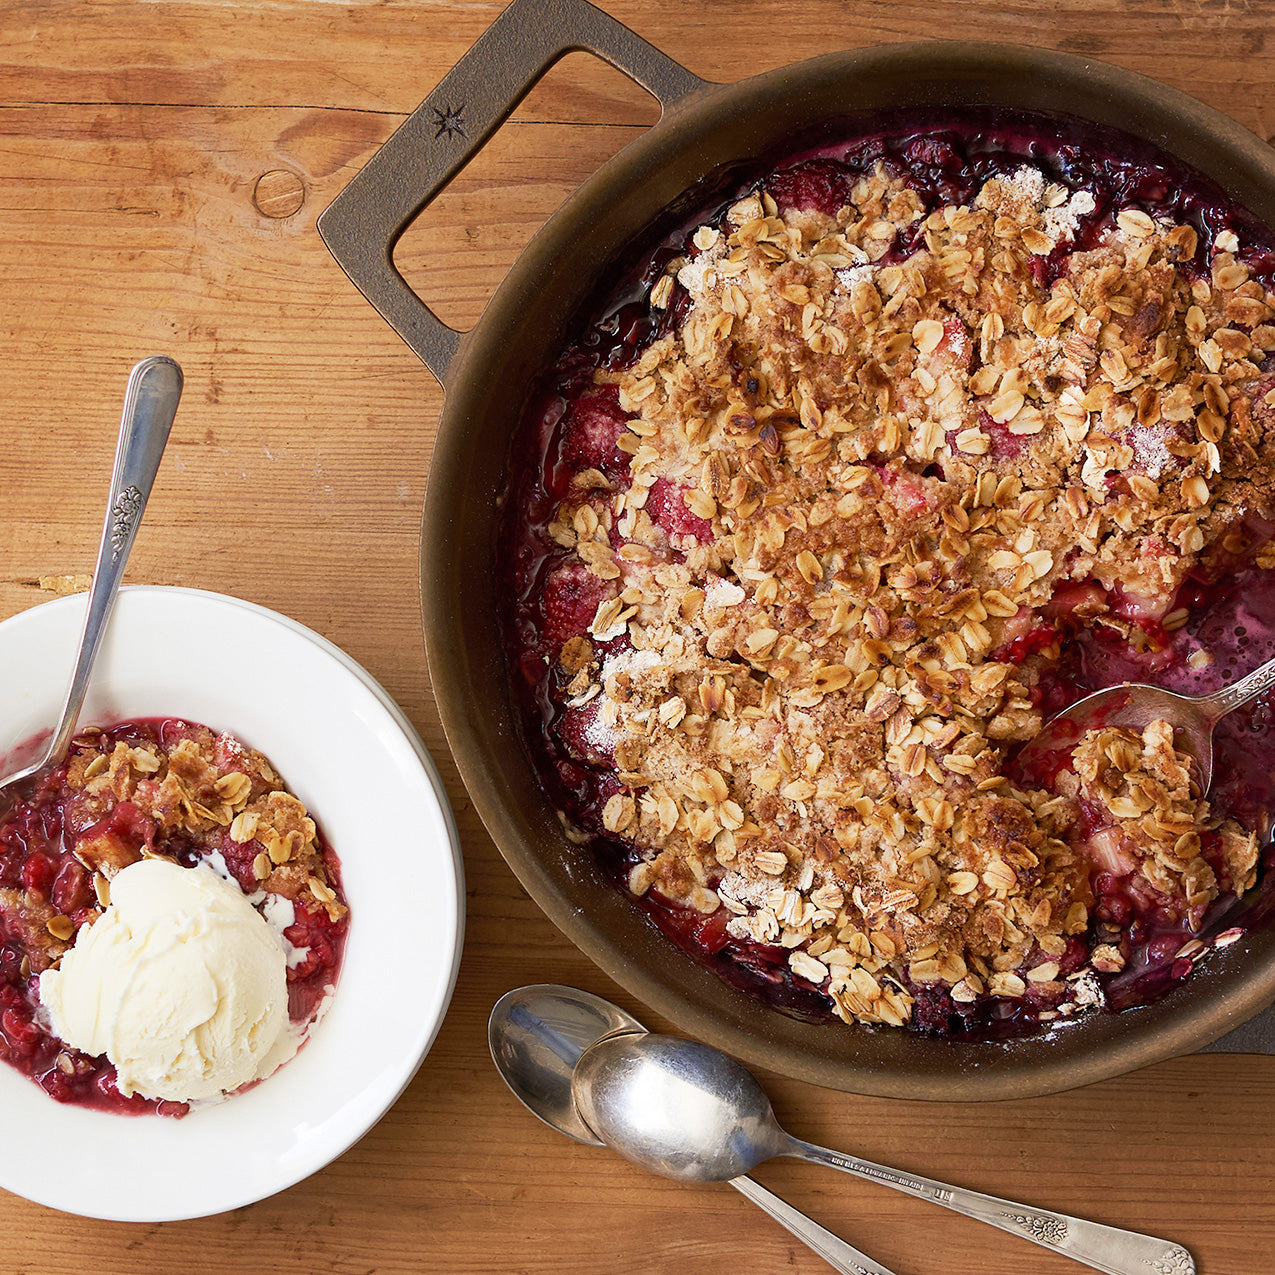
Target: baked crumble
{"x": 162, "y": 789}
{"x": 813, "y": 550}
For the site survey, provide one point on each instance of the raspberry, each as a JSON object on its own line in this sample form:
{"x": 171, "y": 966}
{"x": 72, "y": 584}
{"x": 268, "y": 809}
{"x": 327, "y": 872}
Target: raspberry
{"x": 590, "y": 429}
{"x": 70, "y": 887}
{"x": 570, "y": 601}
{"x": 585, "y": 736}
{"x": 819, "y": 185}
{"x": 932, "y": 1011}
{"x": 37, "y": 874}
{"x": 666, "y": 507}
{"x": 20, "y": 1031}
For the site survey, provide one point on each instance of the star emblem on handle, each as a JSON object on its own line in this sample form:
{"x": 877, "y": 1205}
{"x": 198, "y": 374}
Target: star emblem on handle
{"x": 449, "y": 121}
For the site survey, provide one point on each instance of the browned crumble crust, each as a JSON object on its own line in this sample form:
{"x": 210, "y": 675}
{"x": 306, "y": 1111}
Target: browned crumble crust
{"x": 899, "y": 463}
{"x": 200, "y": 790}
{"x": 38, "y": 926}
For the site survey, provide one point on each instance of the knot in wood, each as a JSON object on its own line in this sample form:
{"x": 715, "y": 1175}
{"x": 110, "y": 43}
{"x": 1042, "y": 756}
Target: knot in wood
{"x": 278, "y": 193}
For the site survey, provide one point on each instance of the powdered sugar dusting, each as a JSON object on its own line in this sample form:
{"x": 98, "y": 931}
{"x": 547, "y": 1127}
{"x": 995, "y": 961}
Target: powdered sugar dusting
{"x": 1026, "y": 191}
{"x": 1028, "y": 185}
{"x": 1150, "y": 450}
{"x": 1062, "y": 222}
{"x": 723, "y": 594}
{"x": 848, "y": 276}
{"x": 742, "y": 889}
{"x": 699, "y": 275}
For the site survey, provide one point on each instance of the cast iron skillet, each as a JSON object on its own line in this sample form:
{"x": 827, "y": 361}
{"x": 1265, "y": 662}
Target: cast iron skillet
{"x": 488, "y": 371}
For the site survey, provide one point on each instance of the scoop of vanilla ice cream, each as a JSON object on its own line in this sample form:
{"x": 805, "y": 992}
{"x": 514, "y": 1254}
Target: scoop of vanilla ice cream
{"x": 181, "y": 983}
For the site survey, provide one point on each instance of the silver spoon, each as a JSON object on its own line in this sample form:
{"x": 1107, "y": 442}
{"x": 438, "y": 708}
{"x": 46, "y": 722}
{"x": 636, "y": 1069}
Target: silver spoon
{"x": 687, "y": 1111}
{"x": 538, "y": 1033}
{"x": 1137, "y": 705}
{"x": 150, "y": 403}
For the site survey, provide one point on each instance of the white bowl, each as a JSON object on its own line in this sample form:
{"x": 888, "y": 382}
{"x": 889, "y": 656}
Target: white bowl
{"x": 349, "y": 753}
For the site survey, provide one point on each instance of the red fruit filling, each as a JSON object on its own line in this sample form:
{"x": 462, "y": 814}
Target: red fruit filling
{"x": 667, "y": 508}
{"x": 571, "y": 598}
{"x": 819, "y": 185}
{"x": 590, "y": 430}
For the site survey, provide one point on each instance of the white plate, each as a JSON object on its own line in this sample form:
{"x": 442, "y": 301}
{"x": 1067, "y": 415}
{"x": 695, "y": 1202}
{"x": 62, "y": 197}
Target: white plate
{"x": 348, "y": 752}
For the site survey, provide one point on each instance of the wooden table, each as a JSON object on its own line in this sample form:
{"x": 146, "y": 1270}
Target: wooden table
{"x": 161, "y": 169}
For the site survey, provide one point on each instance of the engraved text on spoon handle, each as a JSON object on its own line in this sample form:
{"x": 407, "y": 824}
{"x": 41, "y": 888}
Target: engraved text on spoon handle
{"x": 1105, "y": 1248}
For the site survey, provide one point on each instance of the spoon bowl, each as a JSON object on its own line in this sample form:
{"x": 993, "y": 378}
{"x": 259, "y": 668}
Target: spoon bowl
{"x": 536, "y": 1035}
{"x": 1136, "y": 705}
{"x": 673, "y": 1107}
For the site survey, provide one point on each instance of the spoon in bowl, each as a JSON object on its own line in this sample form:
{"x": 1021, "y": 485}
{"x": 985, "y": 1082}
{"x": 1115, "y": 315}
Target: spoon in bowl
{"x": 687, "y": 1111}
{"x": 150, "y": 403}
{"x": 1136, "y": 705}
{"x": 538, "y": 1033}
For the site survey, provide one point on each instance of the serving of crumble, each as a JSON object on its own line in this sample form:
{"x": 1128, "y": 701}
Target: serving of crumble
{"x": 923, "y": 437}
{"x": 163, "y": 789}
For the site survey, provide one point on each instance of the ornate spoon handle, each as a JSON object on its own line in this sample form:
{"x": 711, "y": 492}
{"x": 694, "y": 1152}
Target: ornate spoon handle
{"x": 150, "y": 403}
{"x": 1105, "y": 1248}
{"x": 835, "y": 1251}
{"x": 1229, "y": 698}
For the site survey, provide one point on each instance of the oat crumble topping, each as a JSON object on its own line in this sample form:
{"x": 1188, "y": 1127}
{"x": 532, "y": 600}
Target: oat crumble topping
{"x": 887, "y": 469}
{"x": 203, "y": 786}
{"x": 1151, "y": 815}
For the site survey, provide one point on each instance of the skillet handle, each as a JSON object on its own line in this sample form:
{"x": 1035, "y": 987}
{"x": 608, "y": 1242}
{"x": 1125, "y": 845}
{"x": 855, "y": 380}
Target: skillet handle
{"x": 362, "y": 225}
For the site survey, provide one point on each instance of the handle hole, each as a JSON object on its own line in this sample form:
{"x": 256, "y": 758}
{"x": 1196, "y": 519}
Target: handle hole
{"x": 455, "y": 254}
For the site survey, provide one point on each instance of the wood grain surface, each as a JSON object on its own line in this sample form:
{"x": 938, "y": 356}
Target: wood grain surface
{"x": 161, "y": 169}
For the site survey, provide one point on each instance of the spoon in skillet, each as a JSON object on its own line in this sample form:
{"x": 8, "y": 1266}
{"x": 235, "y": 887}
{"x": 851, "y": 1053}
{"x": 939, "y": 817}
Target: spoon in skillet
{"x": 1137, "y": 705}
{"x": 150, "y": 403}
{"x": 690, "y": 1112}
{"x": 538, "y": 1033}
